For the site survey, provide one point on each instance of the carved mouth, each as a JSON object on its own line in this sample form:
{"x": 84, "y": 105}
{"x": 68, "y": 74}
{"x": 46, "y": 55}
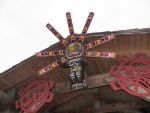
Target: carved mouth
{"x": 75, "y": 52}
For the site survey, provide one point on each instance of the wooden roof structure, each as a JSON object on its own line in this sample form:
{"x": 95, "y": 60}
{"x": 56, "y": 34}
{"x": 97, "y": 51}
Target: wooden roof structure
{"x": 127, "y": 42}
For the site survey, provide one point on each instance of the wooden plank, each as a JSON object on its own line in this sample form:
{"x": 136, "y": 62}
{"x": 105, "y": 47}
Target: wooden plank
{"x": 126, "y": 43}
{"x": 121, "y": 43}
{"x": 115, "y": 43}
{"x": 138, "y": 43}
{"x": 122, "y": 106}
{"x": 89, "y": 68}
{"x": 98, "y": 66}
{"x": 132, "y": 43}
{"x": 148, "y": 42}
{"x": 4, "y": 85}
{"x": 143, "y": 42}
{"x": 10, "y": 79}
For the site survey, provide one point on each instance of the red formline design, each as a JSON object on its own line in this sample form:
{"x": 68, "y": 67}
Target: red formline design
{"x": 35, "y": 94}
{"x": 132, "y": 75}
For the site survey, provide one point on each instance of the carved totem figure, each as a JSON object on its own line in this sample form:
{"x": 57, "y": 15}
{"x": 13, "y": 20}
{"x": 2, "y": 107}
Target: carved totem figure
{"x": 76, "y": 64}
{"x": 75, "y": 53}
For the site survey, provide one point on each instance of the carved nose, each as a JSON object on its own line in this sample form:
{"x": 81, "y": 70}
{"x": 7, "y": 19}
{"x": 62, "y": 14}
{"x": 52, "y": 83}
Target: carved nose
{"x": 129, "y": 70}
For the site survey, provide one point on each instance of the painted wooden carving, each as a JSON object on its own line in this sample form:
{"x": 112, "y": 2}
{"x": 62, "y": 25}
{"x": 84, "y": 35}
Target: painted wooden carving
{"x": 132, "y": 75}
{"x": 77, "y": 72}
{"x": 75, "y": 52}
{"x": 35, "y": 94}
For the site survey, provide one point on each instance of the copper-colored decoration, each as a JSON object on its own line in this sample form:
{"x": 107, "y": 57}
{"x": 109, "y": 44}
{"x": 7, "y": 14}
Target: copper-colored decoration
{"x": 35, "y": 94}
{"x": 132, "y": 75}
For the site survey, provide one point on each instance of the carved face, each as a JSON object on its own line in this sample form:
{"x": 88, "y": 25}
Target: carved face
{"x": 75, "y": 65}
{"x": 74, "y": 50}
{"x": 35, "y": 95}
{"x": 132, "y": 75}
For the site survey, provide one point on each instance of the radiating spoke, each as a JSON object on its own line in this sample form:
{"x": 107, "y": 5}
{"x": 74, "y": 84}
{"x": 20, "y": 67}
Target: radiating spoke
{"x": 100, "y": 54}
{"x": 70, "y": 26}
{"x": 51, "y": 66}
{"x": 50, "y": 53}
{"x": 58, "y": 35}
{"x": 99, "y": 41}
{"x": 86, "y": 26}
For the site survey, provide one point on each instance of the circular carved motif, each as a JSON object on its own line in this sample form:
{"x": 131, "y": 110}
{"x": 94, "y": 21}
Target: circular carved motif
{"x": 132, "y": 75}
{"x": 35, "y": 94}
{"x": 74, "y": 50}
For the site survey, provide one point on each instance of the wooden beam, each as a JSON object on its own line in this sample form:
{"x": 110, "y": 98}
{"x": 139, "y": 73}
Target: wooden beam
{"x": 118, "y": 107}
{"x": 121, "y": 106}
{"x": 93, "y": 81}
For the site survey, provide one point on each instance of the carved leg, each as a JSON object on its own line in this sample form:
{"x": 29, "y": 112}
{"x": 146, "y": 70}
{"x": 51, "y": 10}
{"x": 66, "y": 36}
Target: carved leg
{"x": 85, "y": 83}
{"x": 72, "y": 81}
{"x": 79, "y": 80}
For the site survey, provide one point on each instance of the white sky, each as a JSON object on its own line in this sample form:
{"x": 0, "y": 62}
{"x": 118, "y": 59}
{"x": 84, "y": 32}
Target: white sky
{"x": 23, "y": 29}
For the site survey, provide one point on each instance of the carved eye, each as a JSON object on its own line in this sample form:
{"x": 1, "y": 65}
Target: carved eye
{"x": 71, "y": 63}
{"x": 76, "y": 62}
{"x": 40, "y": 89}
{"x": 27, "y": 96}
{"x": 147, "y": 73}
{"x": 129, "y": 71}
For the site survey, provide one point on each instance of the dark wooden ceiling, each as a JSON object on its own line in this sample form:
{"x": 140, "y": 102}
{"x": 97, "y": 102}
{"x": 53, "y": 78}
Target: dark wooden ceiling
{"x": 127, "y": 42}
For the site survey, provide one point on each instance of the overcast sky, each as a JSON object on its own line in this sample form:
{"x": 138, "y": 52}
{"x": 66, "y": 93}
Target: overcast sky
{"x": 23, "y": 29}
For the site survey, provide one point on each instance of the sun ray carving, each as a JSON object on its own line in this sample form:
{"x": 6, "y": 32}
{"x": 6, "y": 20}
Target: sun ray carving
{"x": 75, "y": 52}
{"x": 86, "y": 27}
{"x": 70, "y": 27}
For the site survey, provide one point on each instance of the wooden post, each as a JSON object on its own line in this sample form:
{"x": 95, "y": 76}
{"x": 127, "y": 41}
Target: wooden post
{"x": 96, "y": 98}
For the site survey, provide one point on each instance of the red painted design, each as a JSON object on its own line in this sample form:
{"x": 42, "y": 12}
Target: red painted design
{"x": 132, "y": 75}
{"x": 35, "y": 94}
